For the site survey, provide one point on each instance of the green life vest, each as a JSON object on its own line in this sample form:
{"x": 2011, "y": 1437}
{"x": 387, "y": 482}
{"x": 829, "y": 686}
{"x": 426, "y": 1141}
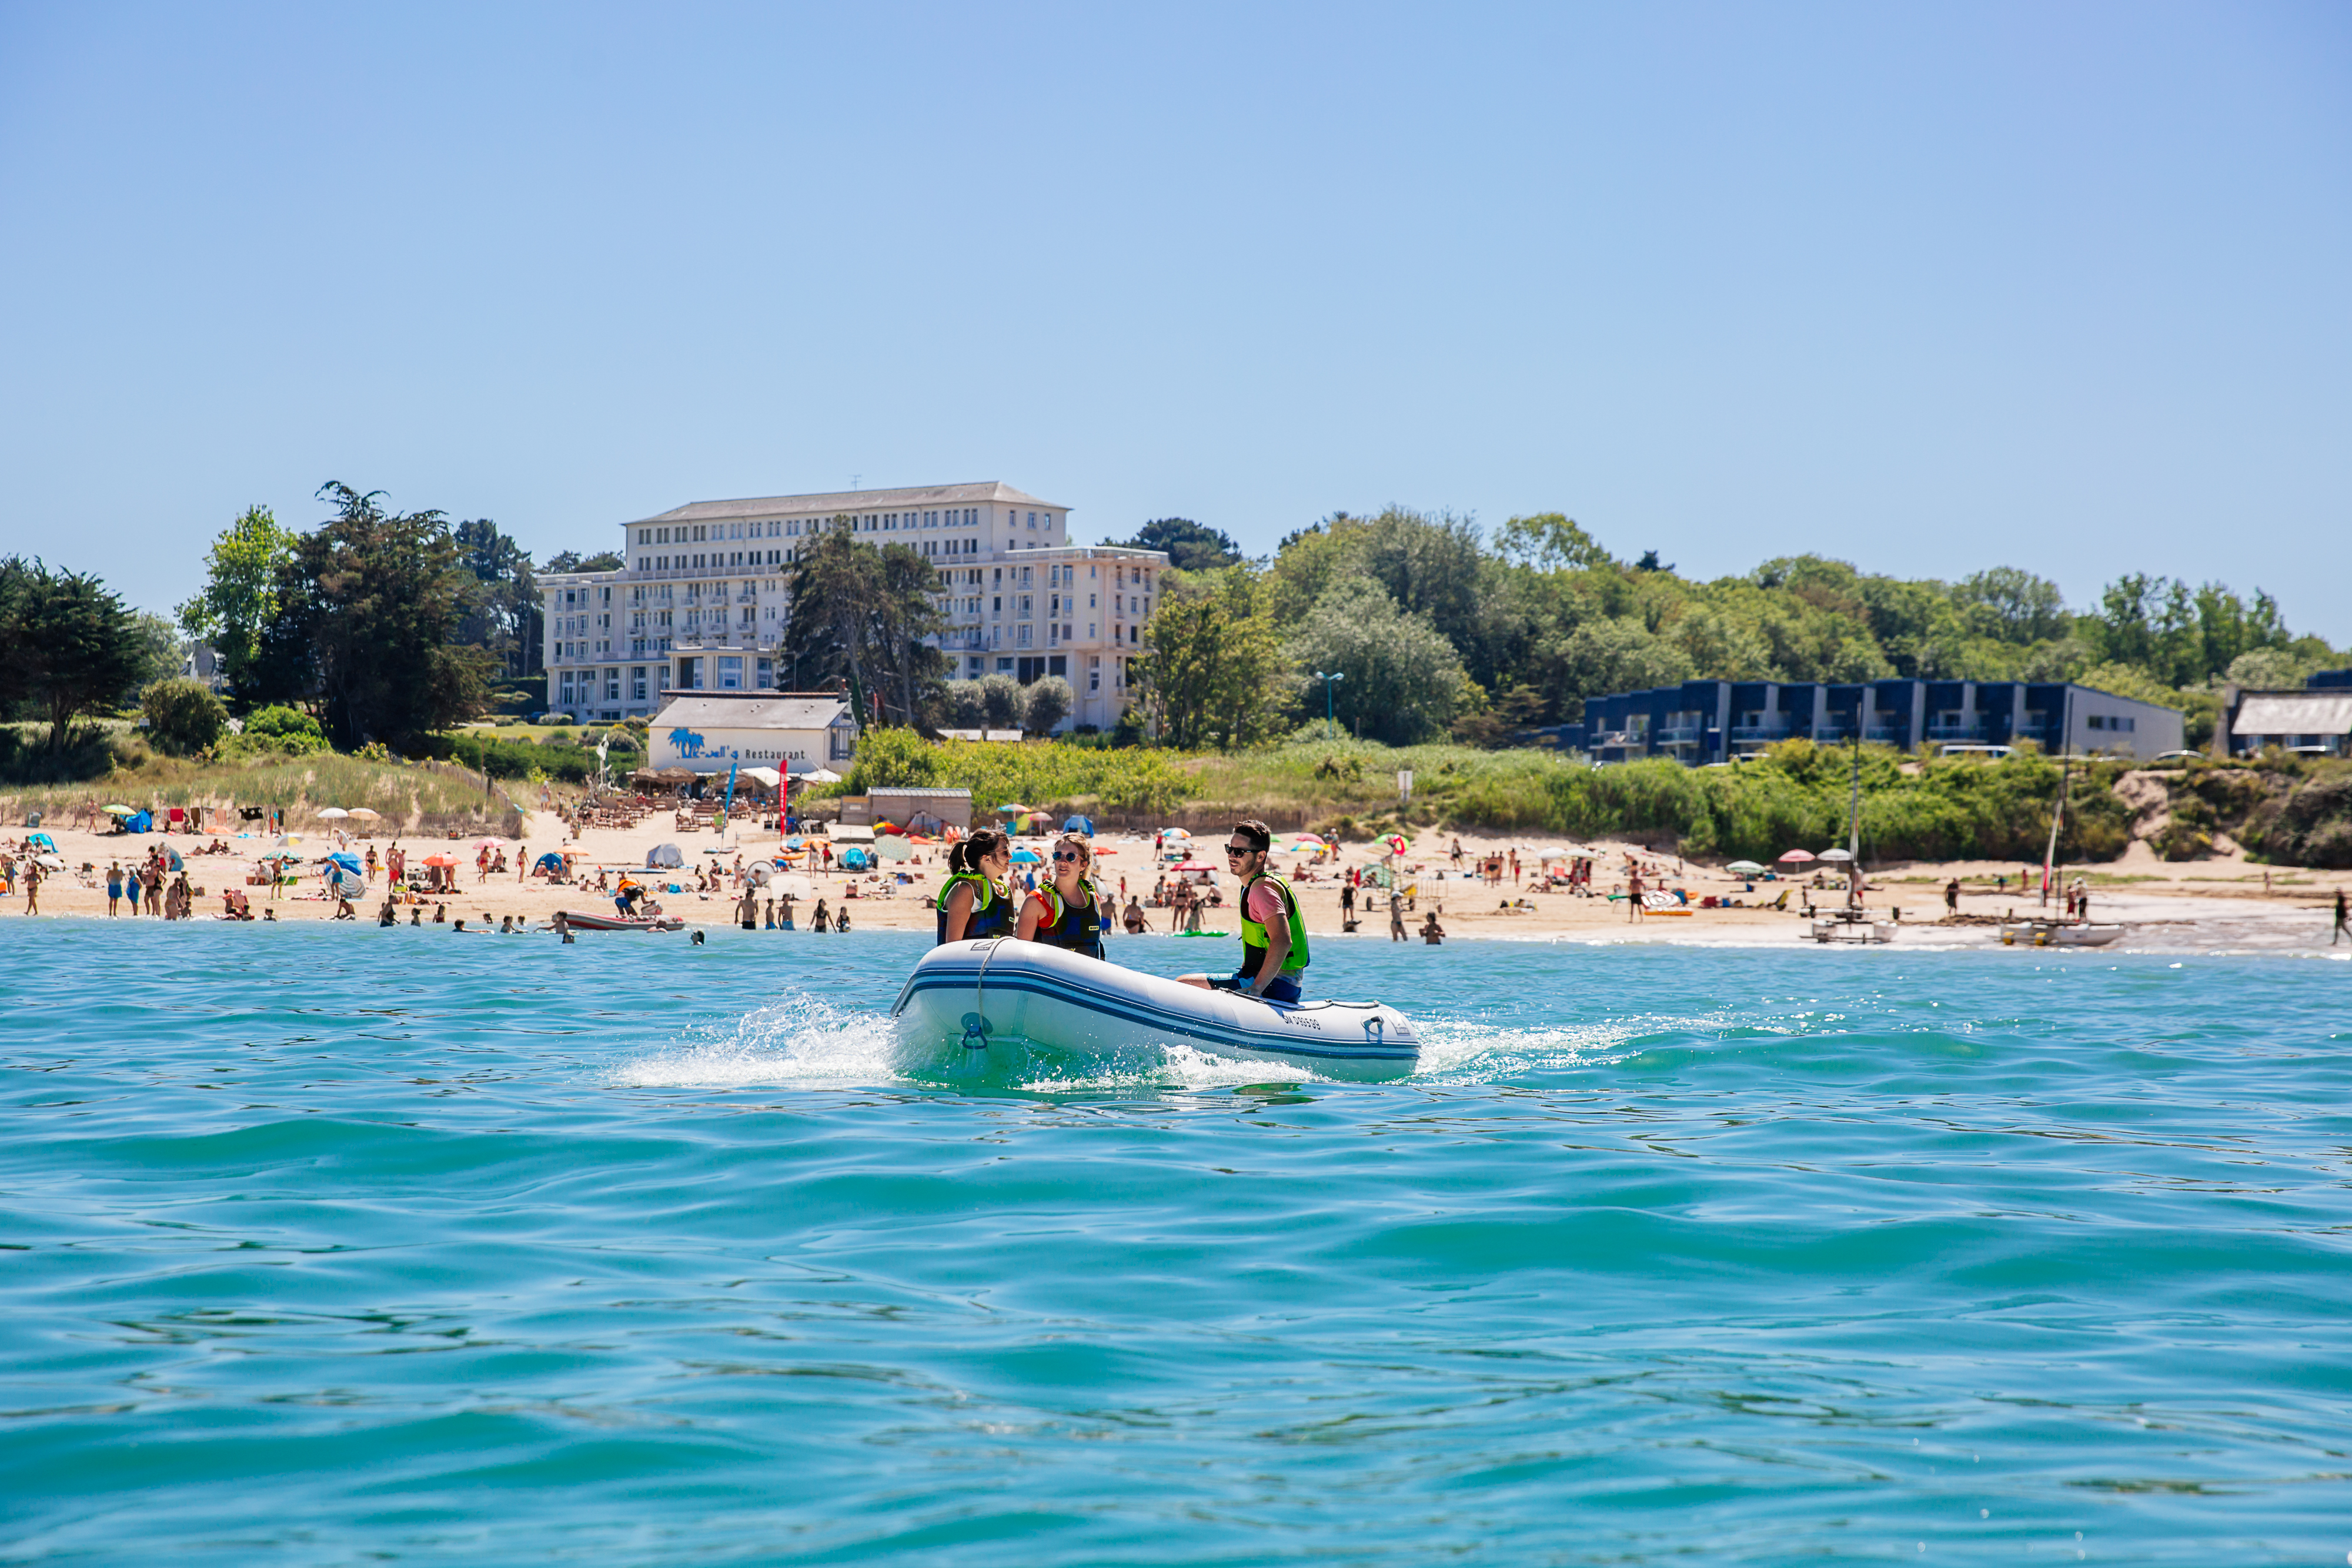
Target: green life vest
{"x": 990, "y": 914}
{"x": 1253, "y": 939}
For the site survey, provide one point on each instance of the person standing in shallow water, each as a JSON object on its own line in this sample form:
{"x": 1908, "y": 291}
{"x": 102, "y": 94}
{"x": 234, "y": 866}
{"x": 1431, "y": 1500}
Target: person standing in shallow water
{"x": 2343, "y": 920}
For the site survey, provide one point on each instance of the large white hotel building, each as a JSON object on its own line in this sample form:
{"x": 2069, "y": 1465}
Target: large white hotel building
{"x": 700, "y": 604}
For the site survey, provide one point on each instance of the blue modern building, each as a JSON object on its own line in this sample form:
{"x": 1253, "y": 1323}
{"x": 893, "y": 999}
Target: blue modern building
{"x": 1700, "y": 721}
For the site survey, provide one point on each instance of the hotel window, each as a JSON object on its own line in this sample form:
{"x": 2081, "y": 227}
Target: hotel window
{"x": 636, "y": 685}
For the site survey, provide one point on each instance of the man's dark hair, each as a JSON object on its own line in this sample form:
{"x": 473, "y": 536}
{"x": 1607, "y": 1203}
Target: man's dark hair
{"x": 1260, "y": 836}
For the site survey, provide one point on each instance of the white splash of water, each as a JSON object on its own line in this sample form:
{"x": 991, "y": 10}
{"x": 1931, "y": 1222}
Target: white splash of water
{"x": 800, "y": 1039}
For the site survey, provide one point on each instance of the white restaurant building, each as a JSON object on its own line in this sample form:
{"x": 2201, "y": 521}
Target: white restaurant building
{"x": 699, "y": 603}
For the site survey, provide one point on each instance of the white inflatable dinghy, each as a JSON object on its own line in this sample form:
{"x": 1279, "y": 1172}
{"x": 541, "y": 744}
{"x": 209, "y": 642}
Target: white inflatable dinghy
{"x": 970, "y": 995}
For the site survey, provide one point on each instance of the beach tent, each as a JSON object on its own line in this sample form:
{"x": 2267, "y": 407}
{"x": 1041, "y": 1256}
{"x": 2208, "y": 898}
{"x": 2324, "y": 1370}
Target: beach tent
{"x": 1078, "y": 825}
{"x": 139, "y": 822}
{"x": 665, "y": 856}
{"x": 757, "y": 873}
{"x": 550, "y": 864}
{"x": 40, "y": 841}
{"x": 347, "y": 861}
{"x": 171, "y": 861}
{"x": 855, "y": 859}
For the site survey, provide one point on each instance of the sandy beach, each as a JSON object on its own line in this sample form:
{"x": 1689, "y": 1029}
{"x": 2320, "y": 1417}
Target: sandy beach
{"x": 2219, "y": 903}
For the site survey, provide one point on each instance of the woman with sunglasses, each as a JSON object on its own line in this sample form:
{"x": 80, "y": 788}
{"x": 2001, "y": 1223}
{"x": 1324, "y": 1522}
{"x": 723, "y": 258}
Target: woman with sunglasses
{"x": 1273, "y": 936}
{"x": 973, "y": 901}
{"x": 1066, "y": 912}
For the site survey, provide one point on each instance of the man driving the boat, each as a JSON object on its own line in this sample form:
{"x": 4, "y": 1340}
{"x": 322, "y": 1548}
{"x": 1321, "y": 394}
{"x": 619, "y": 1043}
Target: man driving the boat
{"x": 1273, "y": 936}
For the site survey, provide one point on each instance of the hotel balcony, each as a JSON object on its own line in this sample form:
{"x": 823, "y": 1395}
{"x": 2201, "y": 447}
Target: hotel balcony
{"x": 1764, "y": 734}
{"x": 1889, "y": 734}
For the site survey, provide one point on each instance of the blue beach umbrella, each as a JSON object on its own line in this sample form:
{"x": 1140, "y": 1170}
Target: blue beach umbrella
{"x": 1025, "y": 856}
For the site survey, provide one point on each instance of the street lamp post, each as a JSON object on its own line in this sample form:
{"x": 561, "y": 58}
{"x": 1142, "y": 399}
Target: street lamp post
{"x": 1330, "y": 726}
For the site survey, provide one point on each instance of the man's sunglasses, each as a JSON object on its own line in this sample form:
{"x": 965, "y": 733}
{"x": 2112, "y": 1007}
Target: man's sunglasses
{"x": 1233, "y": 850}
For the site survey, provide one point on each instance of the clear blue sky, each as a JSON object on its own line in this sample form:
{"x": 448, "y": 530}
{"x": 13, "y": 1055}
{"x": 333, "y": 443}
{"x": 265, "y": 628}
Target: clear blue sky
{"x": 1929, "y": 288}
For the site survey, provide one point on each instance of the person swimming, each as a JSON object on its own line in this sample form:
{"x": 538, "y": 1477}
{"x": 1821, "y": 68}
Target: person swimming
{"x": 973, "y": 901}
{"x": 1068, "y": 912}
{"x": 1273, "y": 936}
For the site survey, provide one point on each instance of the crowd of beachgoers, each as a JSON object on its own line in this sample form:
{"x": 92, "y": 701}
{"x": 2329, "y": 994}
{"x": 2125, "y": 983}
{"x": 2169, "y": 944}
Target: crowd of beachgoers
{"x": 760, "y": 875}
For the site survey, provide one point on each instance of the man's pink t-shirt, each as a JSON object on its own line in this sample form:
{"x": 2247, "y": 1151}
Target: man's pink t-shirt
{"x": 1264, "y": 906}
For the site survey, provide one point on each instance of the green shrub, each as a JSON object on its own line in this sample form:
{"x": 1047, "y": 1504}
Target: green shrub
{"x": 1045, "y": 775}
{"x": 279, "y": 731}
{"x": 182, "y": 716}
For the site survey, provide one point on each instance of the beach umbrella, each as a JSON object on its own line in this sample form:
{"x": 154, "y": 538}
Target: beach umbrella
{"x": 1026, "y": 856}
{"x": 120, "y": 811}
{"x": 1190, "y": 866}
{"x": 1744, "y": 868}
{"x": 444, "y": 861}
{"x": 1837, "y": 854}
{"x": 363, "y": 811}
{"x": 334, "y": 811}
{"x": 345, "y": 858}
{"x": 894, "y": 850}
{"x": 1174, "y": 833}
{"x": 288, "y": 840}
{"x": 1553, "y": 854}
{"x": 1796, "y": 857}
{"x": 1015, "y": 808}
{"x": 487, "y": 843}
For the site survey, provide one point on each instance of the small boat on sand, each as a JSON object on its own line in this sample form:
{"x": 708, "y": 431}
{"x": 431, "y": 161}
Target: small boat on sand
{"x": 578, "y": 921}
{"x": 2057, "y": 933}
{"x": 981, "y": 996}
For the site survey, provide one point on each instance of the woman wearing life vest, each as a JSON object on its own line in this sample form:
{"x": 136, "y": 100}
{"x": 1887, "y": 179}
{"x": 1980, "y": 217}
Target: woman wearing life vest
{"x": 973, "y": 903}
{"x": 1273, "y": 937}
{"x": 1068, "y": 912}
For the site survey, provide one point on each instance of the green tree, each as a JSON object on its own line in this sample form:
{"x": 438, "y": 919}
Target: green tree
{"x": 371, "y": 615}
{"x": 1000, "y": 702}
{"x": 1401, "y": 681}
{"x": 1047, "y": 703}
{"x": 507, "y": 616}
{"x": 2012, "y": 605}
{"x": 239, "y": 599}
{"x": 1213, "y": 662}
{"x": 865, "y": 615}
{"x": 182, "y": 716}
{"x": 1190, "y": 546}
{"x": 572, "y": 561}
{"x": 1549, "y": 541}
{"x": 67, "y": 645}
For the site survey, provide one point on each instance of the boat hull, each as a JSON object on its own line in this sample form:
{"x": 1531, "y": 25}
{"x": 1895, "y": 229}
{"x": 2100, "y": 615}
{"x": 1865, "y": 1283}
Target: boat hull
{"x": 2056, "y": 933}
{"x": 970, "y": 998}
{"x": 579, "y": 922}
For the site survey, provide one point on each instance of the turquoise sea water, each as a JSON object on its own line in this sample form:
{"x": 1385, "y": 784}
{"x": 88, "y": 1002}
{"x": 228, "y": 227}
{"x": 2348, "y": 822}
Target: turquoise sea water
{"x": 337, "y": 1246}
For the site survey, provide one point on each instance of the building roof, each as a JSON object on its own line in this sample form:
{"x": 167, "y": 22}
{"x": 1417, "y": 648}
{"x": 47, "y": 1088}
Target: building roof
{"x": 921, "y": 794}
{"x": 2274, "y": 713}
{"x": 751, "y": 710}
{"x": 850, "y": 501}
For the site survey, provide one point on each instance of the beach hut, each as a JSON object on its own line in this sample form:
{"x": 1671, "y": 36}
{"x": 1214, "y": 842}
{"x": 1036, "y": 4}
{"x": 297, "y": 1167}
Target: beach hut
{"x": 663, "y": 857}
